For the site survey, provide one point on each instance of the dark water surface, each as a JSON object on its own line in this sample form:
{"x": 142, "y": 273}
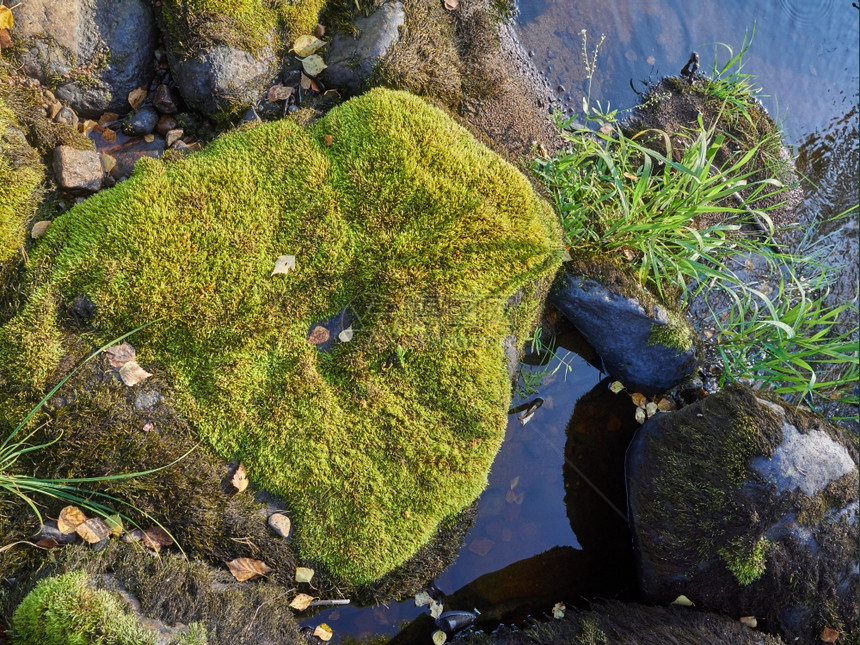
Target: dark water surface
{"x": 542, "y": 487}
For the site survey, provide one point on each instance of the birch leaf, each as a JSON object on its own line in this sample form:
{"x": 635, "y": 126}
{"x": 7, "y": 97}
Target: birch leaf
{"x": 248, "y": 569}
{"x": 304, "y": 574}
{"x": 301, "y": 602}
{"x": 70, "y": 518}
{"x": 683, "y": 601}
{"x": 616, "y": 386}
{"x": 313, "y": 64}
{"x": 6, "y": 19}
{"x": 39, "y": 229}
{"x": 439, "y": 637}
{"x": 323, "y": 632}
{"x": 639, "y": 400}
{"x": 93, "y": 530}
{"x": 240, "y": 478}
{"x": 131, "y": 373}
{"x": 119, "y": 355}
{"x": 136, "y": 97}
{"x": 284, "y": 264}
{"x": 422, "y": 598}
{"x": 307, "y": 45}
{"x": 435, "y": 609}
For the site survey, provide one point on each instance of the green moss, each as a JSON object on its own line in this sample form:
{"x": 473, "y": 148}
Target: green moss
{"x": 65, "y": 610}
{"x": 404, "y": 219}
{"x": 746, "y": 563}
{"x": 195, "y": 634}
{"x": 677, "y": 333}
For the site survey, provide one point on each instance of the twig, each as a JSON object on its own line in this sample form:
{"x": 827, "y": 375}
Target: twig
{"x": 326, "y": 603}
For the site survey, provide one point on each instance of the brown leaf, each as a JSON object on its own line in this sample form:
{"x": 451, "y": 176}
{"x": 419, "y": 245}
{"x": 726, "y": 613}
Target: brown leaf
{"x": 481, "y": 546}
{"x": 5, "y": 39}
{"x": 329, "y": 140}
{"x": 70, "y": 518}
{"x": 48, "y": 543}
{"x": 248, "y": 569}
{"x": 119, "y": 355}
{"x": 314, "y": 86}
{"x": 39, "y": 229}
{"x": 148, "y": 426}
{"x": 131, "y": 373}
{"x": 155, "y": 537}
{"x": 107, "y": 117}
{"x": 639, "y": 400}
{"x": 304, "y": 574}
{"x": 452, "y": 5}
{"x": 319, "y": 30}
{"x": 323, "y": 632}
{"x": 6, "y": 19}
{"x": 666, "y": 404}
{"x": 305, "y": 82}
{"x": 301, "y": 602}
{"x": 278, "y": 93}
{"x": 240, "y": 478}
{"x": 93, "y": 530}
{"x": 318, "y": 335}
{"x": 829, "y": 635}
{"x": 137, "y": 97}
{"x": 109, "y": 135}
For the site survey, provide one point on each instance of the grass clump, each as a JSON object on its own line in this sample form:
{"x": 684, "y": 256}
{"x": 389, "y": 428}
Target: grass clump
{"x": 65, "y": 610}
{"x": 679, "y": 206}
{"x": 404, "y": 220}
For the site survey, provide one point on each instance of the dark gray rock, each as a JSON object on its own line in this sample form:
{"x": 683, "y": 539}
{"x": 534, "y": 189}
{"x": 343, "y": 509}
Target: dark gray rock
{"x": 164, "y": 101}
{"x": 97, "y": 51}
{"x": 146, "y": 400}
{"x": 748, "y": 507}
{"x": 649, "y": 350}
{"x": 351, "y": 59}
{"x": 126, "y": 155}
{"x": 223, "y": 78}
{"x": 78, "y": 171}
{"x": 141, "y": 121}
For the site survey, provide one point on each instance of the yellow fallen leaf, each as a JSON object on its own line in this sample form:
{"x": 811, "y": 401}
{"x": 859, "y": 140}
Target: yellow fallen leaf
{"x": 149, "y": 138}
{"x": 323, "y": 632}
{"x": 284, "y": 264}
{"x": 435, "y": 609}
{"x": 240, "y": 478}
{"x": 829, "y": 635}
{"x": 666, "y": 404}
{"x": 439, "y": 637}
{"x": 629, "y": 175}
{"x": 313, "y": 64}
{"x": 93, "y": 530}
{"x": 639, "y": 399}
{"x": 114, "y": 523}
{"x": 749, "y": 621}
{"x": 70, "y": 518}
{"x": 39, "y": 229}
{"x": 307, "y": 45}
{"x": 683, "y": 601}
{"x": 248, "y": 569}
{"x": 304, "y": 574}
{"x": 616, "y": 386}
{"x": 137, "y": 97}
{"x": 6, "y": 19}
{"x": 108, "y": 162}
{"x": 131, "y": 373}
{"x": 301, "y": 602}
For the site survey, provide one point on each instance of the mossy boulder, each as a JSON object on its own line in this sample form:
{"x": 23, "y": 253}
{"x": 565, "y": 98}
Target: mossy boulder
{"x": 748, "y": 507}
{"x": 393, "y": 214}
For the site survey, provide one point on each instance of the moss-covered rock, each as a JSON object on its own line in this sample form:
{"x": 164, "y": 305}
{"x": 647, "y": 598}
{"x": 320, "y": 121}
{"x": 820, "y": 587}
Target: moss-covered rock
{"x": 393, "y": 213}
{"x": 748, "y": 507}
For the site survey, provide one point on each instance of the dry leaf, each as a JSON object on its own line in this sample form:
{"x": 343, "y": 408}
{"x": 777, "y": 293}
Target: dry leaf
{"x": 156, "y": 537}
{"x": 107, "y": 117}
{"x": 749, "y": 621}
{"x": 131, "y": 373}
{"x": 70, "y": 518}
{"x": 305, "y": 82}
{"x": 307, "y": 45}
{"x": 630, "y": 176}
{"x": 439, "y": 637}
{"x": 346, "y": 335}
{"x": 328, "y": 140}
{"x": 119, "y": 355}
{"x": 284, "y": 264}
{"x": 451, "y": 5}
{"x": 666, "y": 404}
{"x": 6, "y": 19}
{"x": 314, "y": 86}
{"x": 110, "y": 135}
{"x": 512, "y": 497}
{"x": 47, "y": 543}
{"x": 6, "y": 40}
{"x": 149, "y": 138}
{"x": 628, "y": 255}
{"x": 114, "y": 523}
{"x": 639, "y": 399}
{"x": 650, "y": 409}
{"x": 422, "y": 598}
{"x": 93, "y": 530}
{"x": 248, "y": 569}
{"x": 137, "y": 97}
{"x": 240, "y": 478}
{"x": 558, "y": 610}
{"x": 616, "y": 386}
{"x": 829, "y": 635}
{"x": 683, "y": 601}
{"x": 280, "y": 524}
{"x": 88, "y": 126}
{"x": 318, "y": 335}
{"x": 301, "y": 602}
{"x": 278, "y": 93}
{"x": 481, "y": 546}
{"x": 640, "y": 415}
{"x": 323, "y": 632}
{"x": 319, "y": 30}
{"x": 39, "y": 229}
{"x": 514, "y": 482}
{"x": 436, "y": 609}
{"x": 304, "y": 574}
{"x": 108, "y": 162}
{"x": 313, "y": 64}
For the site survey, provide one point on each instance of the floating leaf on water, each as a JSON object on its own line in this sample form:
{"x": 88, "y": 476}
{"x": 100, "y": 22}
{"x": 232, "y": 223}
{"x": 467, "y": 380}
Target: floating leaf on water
{"x": 749, "y": 621}
{"x": 149, "y": 138}
{"x": 640, "y": 415}
{"x": 304, "y": 574}
{"x": 439, "y": 637}
{"x": 313, "y": 64}
{"x": 512, "y": 497}
{"x": 110, "y": 135}
{"x": 70, "y": 518}
{"x": 639, "y": 399}
{"x": 39, "y": 229}
{"x": 307, "y": 45}
{"x": 346, "y": 335}
{"x": 93, "y": 530}
{"x": 248, "y": 569}
{"x": 6, "y": 19}
{"x": 240, "y": 478}
{"x": 650, "y": 409}
{"x": 137, "y": 97}
{"x": 616, "y": 386}
{"x": 284, "y": 264}
{"x": 422, "y": 598}
{"x": 280, "y": 524}
{"x": 131, "y": 373}
{"x": 435, "y": 609}
{"x": 323, "y": 632}
{"x": 301, "y": 602}
{"x": 683, "y": 601}
{"x": 481, "y": 546}
{"x": 558, "y": 610}
{"x": 318, "y": 335}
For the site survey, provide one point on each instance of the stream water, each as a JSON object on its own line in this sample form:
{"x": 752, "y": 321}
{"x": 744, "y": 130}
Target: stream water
{"x": 543, "y": 486}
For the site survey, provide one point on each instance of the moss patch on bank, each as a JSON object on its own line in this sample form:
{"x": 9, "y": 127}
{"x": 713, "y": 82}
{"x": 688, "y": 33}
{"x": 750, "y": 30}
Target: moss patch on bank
{"x": 404, "y": 220}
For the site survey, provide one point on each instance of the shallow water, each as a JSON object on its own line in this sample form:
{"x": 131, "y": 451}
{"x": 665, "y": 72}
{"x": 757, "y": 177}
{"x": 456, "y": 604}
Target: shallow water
{"x": 806, "y": 56}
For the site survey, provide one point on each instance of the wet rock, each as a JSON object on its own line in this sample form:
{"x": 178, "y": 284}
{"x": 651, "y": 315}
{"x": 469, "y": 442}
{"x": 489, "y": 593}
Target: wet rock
{"x": 165, "y": 124}
{"x": 49, "y": 531}
{"x": 78, "y": 171}
{"x": 748, "y": 507}
{"x": 164, "y": 101}
{"x": 96, "y": 53}
{"x": 127, "y": 154}
{"x": 452, "y": 622}
{"x": 67, "y": 117}
{"x": 147, "y": 400}
{"x": 350, "y": 60}
{"x": 251, "y": 116}
{"x": 140, "y": 122}
{"x": 641, "y": 343}
{"x": 222, "y": 78}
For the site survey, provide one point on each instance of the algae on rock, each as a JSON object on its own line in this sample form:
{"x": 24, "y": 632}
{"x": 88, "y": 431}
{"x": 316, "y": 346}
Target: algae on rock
{"x": 421, "y": 232}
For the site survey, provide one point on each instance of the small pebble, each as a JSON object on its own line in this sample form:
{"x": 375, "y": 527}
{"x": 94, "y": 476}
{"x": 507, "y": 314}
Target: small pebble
{"x": 141, "y": 122}
{"x": 67, "y": 117}
{"x": 163, "y": 100}
{"x": 532, "y": 52}
{"x": 165, "y": 124}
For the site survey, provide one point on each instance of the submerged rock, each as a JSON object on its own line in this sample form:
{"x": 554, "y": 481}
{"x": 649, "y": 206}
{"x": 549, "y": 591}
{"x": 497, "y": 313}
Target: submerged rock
{"x": 748, "y": 507}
